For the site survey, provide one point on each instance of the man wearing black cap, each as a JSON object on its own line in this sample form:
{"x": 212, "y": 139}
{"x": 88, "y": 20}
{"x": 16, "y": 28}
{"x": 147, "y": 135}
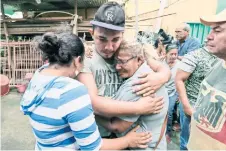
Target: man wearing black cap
{"x": 101, "y": 78}
{"x": 208, "y": 123}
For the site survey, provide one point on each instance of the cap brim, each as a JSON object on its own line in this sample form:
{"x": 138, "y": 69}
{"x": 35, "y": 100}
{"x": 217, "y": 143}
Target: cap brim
{"x": 210, "y": 20}
{"x": 108, "y": 26}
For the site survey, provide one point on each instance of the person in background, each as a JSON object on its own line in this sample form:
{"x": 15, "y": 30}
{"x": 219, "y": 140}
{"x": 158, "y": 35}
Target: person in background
{"x": 172, "y": 62}
{"x": 192, "y": 70}
{"x": 174, "y": 116}
{"x": 59, "y": 107}
{"x": 185, "y": 43}
{"x": 208, "y": 123}
{"x": 130, "y": 63}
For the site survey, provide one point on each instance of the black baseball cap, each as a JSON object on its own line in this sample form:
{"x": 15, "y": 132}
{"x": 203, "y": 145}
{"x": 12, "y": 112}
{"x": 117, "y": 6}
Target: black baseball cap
{"x": 111, "y": 16}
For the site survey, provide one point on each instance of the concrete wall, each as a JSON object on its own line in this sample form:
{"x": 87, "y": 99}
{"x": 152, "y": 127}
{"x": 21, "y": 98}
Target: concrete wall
{"x": 176, "y": 11}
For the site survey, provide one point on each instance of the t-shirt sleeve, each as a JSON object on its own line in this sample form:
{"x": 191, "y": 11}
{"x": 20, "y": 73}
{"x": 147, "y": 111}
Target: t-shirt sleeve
{"x": 76, "y": 109}
{"x": 195, "y": 44}
{"x": 189, "y": 62}
{"x": 132, "y": 118}
{"x": 125, "y": 93}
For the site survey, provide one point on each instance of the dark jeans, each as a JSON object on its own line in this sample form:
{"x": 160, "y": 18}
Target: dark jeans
{"x": 172, "y": 101}
{"x": 185, "y": 121}
{"x": 176, "y": 113}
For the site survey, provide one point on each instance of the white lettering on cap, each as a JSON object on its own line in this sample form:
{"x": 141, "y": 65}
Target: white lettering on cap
{"x": 109, "y": 15}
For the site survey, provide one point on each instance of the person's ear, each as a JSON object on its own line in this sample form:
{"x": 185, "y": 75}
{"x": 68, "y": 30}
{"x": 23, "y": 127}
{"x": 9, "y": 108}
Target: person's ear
{"x": 91, "y": 32}
{"x": 77, "y": 61}
{"x": 140, "y": 60}
{"x": 187, "y": 32}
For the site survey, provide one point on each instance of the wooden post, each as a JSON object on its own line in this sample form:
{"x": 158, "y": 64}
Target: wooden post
{"x": 86, "y": 13}
{"x": 160, "y": 13}
{"x": 137, "y": 18}
{"x": 75, "y": 30}
{"x": 4, "y": 24}
{"x": 7, "y": 36}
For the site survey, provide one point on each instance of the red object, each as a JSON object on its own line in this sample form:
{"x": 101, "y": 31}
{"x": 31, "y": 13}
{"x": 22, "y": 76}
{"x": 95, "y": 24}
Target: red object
{"x": 4, "y": 81}
{"x": 168, "y": 139}
{"x": 29, "y": 76}
{"x": 46, "y": 61}
{"x": 21, "y": 88}
{"x": 176, "y": 127}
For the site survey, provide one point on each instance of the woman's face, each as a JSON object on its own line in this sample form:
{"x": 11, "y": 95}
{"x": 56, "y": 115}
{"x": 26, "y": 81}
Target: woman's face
{"x": 126, "y": 64}
{"x": 171, "y": 56}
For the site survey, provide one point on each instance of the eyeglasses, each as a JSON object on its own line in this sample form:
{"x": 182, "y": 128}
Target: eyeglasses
{"x": 122, "y": 62}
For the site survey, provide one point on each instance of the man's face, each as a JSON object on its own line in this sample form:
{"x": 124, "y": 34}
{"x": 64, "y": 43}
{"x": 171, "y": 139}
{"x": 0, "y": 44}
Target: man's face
{"x": 107, "y": 41}
{"x": 181, "y": 34}
{"x": 126, "y": 64}
{"x": 216, "y": 40}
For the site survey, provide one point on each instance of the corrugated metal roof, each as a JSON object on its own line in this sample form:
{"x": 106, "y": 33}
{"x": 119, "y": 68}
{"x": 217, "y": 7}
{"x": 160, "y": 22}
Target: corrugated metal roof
{"x": 47, "y": 5}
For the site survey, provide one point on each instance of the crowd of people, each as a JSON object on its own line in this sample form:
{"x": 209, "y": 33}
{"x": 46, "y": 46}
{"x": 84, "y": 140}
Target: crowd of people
{"x": 122, "y": 97}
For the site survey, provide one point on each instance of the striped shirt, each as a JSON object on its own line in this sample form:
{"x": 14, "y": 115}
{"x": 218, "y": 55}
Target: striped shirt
{"x": 62, "y": 118}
